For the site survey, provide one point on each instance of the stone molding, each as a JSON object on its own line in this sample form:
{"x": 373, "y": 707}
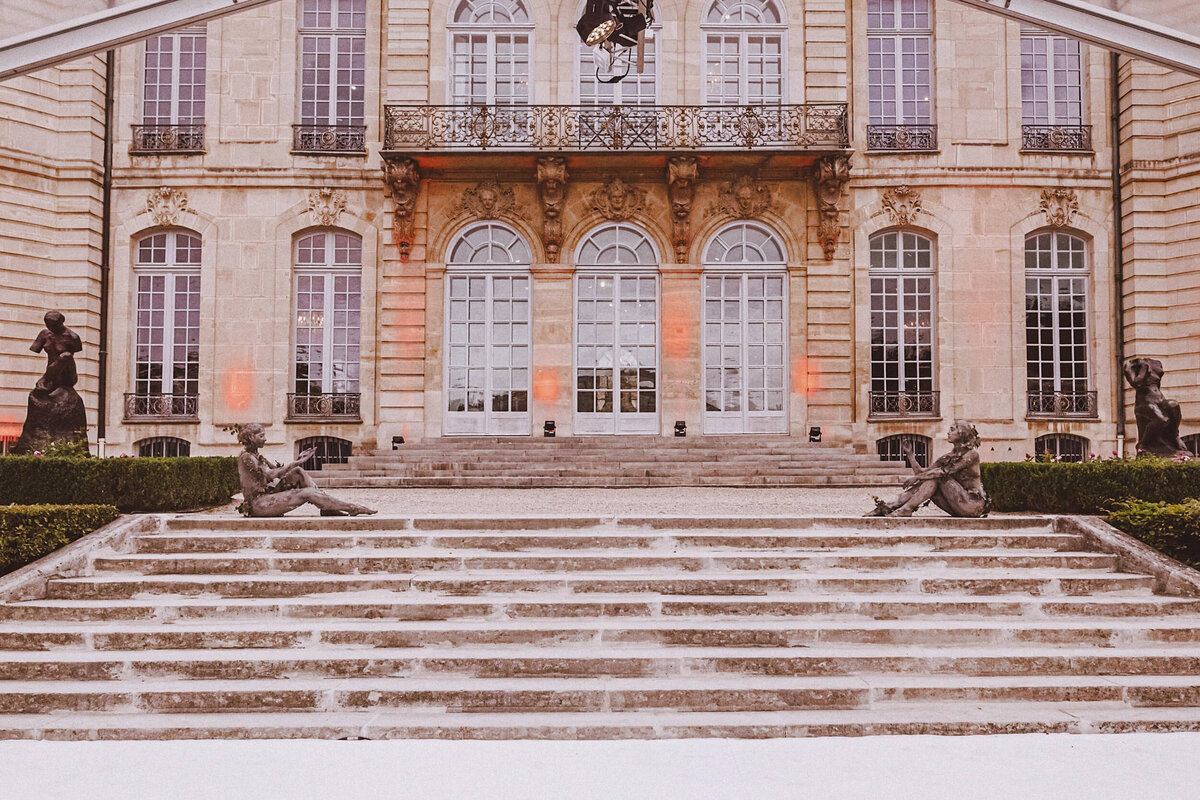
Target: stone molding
{"x": 830, "y": 176}
{"x": 166, "y": 204}
{"x": 617, "y": 201}
{"x": 682, "y": 174}
{"x": 403, "y": 179}
{"x": 488, "y": 199}
{"x": 552, "y": 191}
{"x": 1060, "y": 205}
{"x": 325, "y": 205}
{"x": 902, "y": 204}
{"x": 745, "y": 197}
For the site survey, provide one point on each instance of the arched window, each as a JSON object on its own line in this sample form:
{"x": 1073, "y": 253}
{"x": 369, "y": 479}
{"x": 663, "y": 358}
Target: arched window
{"x": 1062, "y": 447}
{"x": 166, "y": 363}
{"x": 891, "y": 448}
{"x": 329, "y": 450}
{"x": 744, "y": 43}
{"x": 902, "y": 334}
{"x": 1056, "y": 326}
{"x": 616, "y": 332}
{"x": 636, "y": 88}
{"x": 173, "y": 92}
{"x": 489, "y": 47}
{"x": 333, "y": 66}
{"x": 163, "y": 447}
{"x": 745, "y": 331}
{"x": 328, "y": 319}
{"x": 1192, "y": 440}
{"x": 900, "y": 75}
{"x": 488, "y": 339}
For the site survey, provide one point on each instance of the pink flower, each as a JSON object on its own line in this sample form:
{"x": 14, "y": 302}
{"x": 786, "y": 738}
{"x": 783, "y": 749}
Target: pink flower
{"x": 1114, "y": 452}
{"x": 37, "y": 453}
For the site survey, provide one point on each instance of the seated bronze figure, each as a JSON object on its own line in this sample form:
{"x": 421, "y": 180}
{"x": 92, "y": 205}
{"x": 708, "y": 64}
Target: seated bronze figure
{"x": 1157, "y": 417}
{"x": 272, "y": 490}
{"x": 954, "y": 483}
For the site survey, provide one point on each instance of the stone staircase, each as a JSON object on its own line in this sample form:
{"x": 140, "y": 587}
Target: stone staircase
{"x": 612, "y": 462}
{"x": 574, "y": 627}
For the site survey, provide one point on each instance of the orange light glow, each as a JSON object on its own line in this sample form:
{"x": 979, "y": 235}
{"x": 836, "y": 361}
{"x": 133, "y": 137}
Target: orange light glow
{"x": 805, "y": 379}
{"x": 545, "y": 386}
{"x": 10, "y": 428}
{"x": 678, "y": 325}
{"x": 239, "y": 388}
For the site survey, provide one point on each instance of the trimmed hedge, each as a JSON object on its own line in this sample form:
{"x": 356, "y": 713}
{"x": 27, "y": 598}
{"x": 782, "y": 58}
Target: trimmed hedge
{"x": 29, "y": 532}
{"x": 1173, "y": 529}
{"x": 130, "y": 484}
{"x": 1091, "y": 488}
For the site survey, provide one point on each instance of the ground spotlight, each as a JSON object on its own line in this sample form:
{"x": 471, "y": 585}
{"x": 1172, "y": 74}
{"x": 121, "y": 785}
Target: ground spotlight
{"x": 397, "y": 441}
{"x": 814, "y": 433}
{"x": 548, "y": 429}
{"x": 680, "y": 428}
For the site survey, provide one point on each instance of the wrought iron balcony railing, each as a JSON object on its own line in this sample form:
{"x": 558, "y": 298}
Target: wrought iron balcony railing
{"x": 324, "y": 139}
{"x": 614, "y": 128}
{"x": 902, "y": 137}
{"x": 324, "y": 406}
{"x": 1061, "y": 404}
{"x": 150, "y": 407}
{"x": 167, "y": 139}
{"x": 1057, "y": 138}
{"x": 905, "y": 404}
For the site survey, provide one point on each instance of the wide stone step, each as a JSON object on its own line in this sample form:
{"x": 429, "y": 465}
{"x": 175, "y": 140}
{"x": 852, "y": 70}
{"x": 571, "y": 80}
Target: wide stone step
{"x": 546, "y": 481}
{"x": 1041, "y": 582}
{"x": 425, "y": 559}
{"x": 385, "y": 605}
{"x": 777, "y": 632}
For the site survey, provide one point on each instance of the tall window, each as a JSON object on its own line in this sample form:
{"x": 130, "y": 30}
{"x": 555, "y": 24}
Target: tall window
{"x": 167, "y": 350}
{"x": 900, "y": 75}
{"x": 327, "y": 320}
{"x": 333, "y": 63}
{"x": 1056, "y": 335}
{"x": 173, "y": 92}
{"x": 745, "y": 331}
{"x": 744, "y": 44}
{"x": 1052, "y": 92}
{"x": 490, "y": 52}
{"x": 902, "y": 269}
{"x": 637, "y": 88}
{"x": 487, "y": 332}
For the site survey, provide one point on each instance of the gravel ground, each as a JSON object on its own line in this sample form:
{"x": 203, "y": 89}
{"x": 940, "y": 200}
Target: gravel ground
{"x": 639, "y": 502}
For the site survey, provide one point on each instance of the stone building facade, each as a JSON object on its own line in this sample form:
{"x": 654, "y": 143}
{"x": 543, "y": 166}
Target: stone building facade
{"x": 363, "y": 219}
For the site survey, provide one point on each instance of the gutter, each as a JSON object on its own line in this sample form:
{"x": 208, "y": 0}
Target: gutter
{"x": 1118, "y": 252}
{"x": 105, "y": 248}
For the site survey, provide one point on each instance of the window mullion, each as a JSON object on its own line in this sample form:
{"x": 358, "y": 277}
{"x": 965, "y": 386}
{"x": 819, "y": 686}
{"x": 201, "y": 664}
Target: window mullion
{"x": 177, "y": 49}
{"x": 1056, "y": 330}
{"x": 488, "y": 336}
{"x": 168, "y": 330}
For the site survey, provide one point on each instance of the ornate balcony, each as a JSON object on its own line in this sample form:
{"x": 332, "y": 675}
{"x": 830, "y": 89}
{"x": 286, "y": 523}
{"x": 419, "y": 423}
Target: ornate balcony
{"x": 616, "y": 128}
{"x": 330, "y": 406}
{"x": 1056, "y": 138}
{"x": 914, "y": 138}
{"x": 1054, "y": 405}
{"x": 161, "y": 407}
{"x": 905, "y": 404}
{"x": 167, "y": 139}
{"x": 329, "y": 139}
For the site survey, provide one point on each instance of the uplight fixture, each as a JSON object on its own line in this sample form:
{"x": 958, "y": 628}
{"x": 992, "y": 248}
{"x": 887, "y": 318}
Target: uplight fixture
{"x": 598, "y": 23}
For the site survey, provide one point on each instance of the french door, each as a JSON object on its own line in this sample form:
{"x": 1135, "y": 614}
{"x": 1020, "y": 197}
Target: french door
{"x": 487, "y": 355}
{"x": 616, "y": 353}
{"x": 745, "y": 353}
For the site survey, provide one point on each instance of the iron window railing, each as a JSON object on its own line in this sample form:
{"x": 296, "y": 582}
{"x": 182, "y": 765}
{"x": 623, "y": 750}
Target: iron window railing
{"x": 902, "y": 137}
{"x": 325, "y": 406}
{"x": 905, "y": 404}
{"x": 161, "y": 406}
{"x": 167, "y": 139}
{"x": 1061, "y": 404}
{"x": 320, "y": 139}
{"x": 615, "y": 128}
{"x": 1057, "y": 138}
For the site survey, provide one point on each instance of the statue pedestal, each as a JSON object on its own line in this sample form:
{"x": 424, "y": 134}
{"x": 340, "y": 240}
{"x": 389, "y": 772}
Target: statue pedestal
{"x": 53, "y": 417}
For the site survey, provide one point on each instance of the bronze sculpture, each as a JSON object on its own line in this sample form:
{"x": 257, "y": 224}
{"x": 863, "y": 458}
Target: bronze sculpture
{"x": 272, "y": 490}
{"x": 954, "y": 483}
{"x": 56, "y": 415}
{"x": 1157, "y": 417}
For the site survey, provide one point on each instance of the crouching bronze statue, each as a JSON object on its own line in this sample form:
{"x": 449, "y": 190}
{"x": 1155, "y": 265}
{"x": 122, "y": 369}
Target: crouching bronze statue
{"x": 954, "y": 483}
{"x": 1157, "y": 417}
{"x": 272, "y": 490}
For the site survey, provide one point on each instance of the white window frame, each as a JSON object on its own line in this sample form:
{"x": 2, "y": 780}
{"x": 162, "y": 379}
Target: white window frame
{"x": 488, "y": 422}
{"x": 1049, "y": 77}
{"x": 627, "y": 92}
{"x": 901, "y": 36}
{"x": 742, "y": 32}
{"x": 340, "y": 91}
{"x": 330, "y": 271}
{"x": 194, "y": 34}
{"x": 745, "y": 420}
{"x": 617, "y": 421}
{"x": 490, "y": 31}
{"x": 171, "y": 270}
{"x": 900, "y": 273}
{"x": 1060, "y": 279}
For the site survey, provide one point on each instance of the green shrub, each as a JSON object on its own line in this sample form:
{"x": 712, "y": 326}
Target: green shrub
{"x": 130, "y": 484}
{"x": 1091, "y": 488}
{"x": 29, "y": 532}
{"x": 1173, "y": 529}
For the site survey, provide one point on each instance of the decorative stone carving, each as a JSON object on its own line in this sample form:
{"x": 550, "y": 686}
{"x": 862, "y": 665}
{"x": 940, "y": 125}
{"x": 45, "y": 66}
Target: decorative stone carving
{"x": 552, "y": 189}
{"x": 487, "y": 200}
{"x": 326, "y": 205}
{"x": 1060, "y": 205}
{"x": 166, "y": 204}
{"x": 403, "y": 179}
{"x": 903, "y": 204}
{"x": 742, "y": 198}
{"x": 954, "y": 483}
{"x": 617, "y": 200}
{"x": 830, "y": 175}
{"x": 56, "y": 415}
{"x": 682, "y": 174}
{"x": 1157, "y": 417}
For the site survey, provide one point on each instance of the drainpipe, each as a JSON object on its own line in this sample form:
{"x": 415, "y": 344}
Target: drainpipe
{"x": 105, "y": 248}
{"x": 1118, "y": 249}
